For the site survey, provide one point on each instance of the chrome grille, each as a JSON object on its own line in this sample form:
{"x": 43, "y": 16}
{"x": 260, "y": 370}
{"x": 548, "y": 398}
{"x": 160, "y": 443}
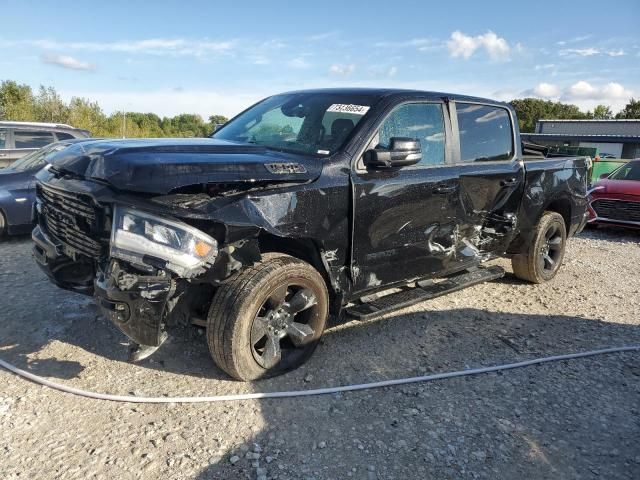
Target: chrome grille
{"x": 72, "y": 219}
{"x": 621, "y": 210}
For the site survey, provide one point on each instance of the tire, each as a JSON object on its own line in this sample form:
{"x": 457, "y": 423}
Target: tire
{"x": 3, "y": 224}
{"x": 546, "y": 252}
{"x": 278, "y": 305}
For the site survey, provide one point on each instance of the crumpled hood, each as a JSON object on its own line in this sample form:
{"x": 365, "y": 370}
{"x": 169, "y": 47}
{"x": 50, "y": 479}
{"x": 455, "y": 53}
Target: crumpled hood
{"x": 159, "y": 166}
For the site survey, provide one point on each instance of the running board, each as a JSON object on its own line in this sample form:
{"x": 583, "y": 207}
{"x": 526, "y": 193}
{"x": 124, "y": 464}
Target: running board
{"x": 411, "y": 296}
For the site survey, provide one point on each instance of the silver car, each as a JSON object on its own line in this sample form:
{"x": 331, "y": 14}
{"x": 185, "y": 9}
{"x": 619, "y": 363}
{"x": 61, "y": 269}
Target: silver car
{"x": 20, "y": 138}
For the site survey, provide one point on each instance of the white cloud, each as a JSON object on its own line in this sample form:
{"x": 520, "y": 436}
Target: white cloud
{"x": 342, "y": 70}
{"x": 616, "y": 53}
{"x": 587, "y": 96}
{"x": 392, "y": 71}
{"x": 461, "y": 45}
{"x": 298, "y": 62}
{"x": 66, "y": 61}
{"x": 259, "y": 60}
{"x": 151, "y": 46}
{"x": 590, "y": 52}
{"x": 615, "y": 91}
{"x": 582, "y": 52}
{"x": 546, "y": 90}
{"x": 419, "y": 43}
{"x": 575, "y": 40}
{"x": 581, "y": 93}
{"x": 581, "y": 89}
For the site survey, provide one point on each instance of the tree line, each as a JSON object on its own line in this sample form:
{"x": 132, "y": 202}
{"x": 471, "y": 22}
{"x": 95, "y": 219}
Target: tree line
{"x": 530, "y": 110}
{"x": 18, "y": 102}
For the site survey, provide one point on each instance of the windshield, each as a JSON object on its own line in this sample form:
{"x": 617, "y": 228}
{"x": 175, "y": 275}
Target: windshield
{"x": 628, "y": 171}
{"x": 35, "y": 159}
{"x": 312, "y": 123}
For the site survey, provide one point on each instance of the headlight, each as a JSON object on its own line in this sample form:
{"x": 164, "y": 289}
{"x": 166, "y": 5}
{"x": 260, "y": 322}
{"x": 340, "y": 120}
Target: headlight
{"x": 137, "y": 234}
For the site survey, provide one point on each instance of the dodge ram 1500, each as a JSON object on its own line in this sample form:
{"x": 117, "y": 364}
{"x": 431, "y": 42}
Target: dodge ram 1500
{"x": 306, "y": 205}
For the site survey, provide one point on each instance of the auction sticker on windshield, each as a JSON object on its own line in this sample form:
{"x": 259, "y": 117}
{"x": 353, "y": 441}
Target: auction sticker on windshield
{"x": 348, "y": 108}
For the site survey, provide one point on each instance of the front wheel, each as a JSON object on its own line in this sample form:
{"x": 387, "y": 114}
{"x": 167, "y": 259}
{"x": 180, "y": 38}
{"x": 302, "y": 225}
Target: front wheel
{"x": 546, "y": 252}
{"x": 268, "y": 319}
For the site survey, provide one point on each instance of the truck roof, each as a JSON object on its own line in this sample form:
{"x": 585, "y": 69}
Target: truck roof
{"x": 399, "y": 92}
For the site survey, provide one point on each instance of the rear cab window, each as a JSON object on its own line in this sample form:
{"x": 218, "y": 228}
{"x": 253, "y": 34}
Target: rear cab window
{"x": 3, "y": 138}
{"x": 32, "y": 138}
{"x": 486, "y": 133}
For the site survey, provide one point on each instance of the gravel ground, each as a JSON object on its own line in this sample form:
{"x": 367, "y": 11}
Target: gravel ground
{"x": 578, "y": 419}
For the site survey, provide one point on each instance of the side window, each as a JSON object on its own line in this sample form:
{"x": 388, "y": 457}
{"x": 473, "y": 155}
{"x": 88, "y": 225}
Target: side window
{"x": 422, "y": 121}
{"x": 3, "y": 139}
{"x": 485, "y": 133}
{"x": 32, "y": 139}
{"x": 64, "y": 136}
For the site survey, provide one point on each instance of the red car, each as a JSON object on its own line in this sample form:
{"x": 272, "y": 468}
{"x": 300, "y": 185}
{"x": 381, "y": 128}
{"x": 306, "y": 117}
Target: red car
{"x": 615, "y": 198}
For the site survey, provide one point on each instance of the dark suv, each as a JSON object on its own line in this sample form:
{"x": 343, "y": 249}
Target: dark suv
{"x": 303, "y": 206}
{"x": 20, "y": 138}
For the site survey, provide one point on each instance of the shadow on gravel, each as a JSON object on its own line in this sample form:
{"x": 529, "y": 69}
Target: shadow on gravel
{"x": 497, "y": 425}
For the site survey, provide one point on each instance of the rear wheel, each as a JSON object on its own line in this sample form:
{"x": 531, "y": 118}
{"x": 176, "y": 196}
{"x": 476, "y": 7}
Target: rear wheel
{"x": 268, "y": 319}
{"x": 546, "y": 252}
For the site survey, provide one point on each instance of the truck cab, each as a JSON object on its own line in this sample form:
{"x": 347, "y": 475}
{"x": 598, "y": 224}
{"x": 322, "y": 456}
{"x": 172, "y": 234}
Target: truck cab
{"x": 299, "y": 208}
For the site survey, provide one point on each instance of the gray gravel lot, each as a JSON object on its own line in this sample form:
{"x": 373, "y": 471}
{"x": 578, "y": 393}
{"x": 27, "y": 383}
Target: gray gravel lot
{"x": 578, "y": 419}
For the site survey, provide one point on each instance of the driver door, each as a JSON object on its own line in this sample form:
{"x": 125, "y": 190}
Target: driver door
{"x": 404, "y": 218}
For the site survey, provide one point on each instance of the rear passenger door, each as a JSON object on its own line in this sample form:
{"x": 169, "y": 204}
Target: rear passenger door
{"x": 491, "y": 175}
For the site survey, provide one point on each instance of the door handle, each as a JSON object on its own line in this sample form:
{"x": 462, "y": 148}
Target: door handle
{"x": 511, "y": 182}
{"x": 444, "y": 189}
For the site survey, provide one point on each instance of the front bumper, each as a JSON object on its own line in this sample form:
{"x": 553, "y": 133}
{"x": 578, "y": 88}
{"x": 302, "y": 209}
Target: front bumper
{"x": 136, "y": 304}
{"x": 66, "y": 273}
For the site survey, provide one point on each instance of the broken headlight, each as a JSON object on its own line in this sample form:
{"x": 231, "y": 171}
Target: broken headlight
{"x": 136, "y": 235}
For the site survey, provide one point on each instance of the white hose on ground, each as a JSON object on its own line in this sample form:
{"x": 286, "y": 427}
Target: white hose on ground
{"x": 315, "y": 391}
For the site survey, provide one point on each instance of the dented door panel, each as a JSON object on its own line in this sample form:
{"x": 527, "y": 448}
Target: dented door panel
{"x": 490, "y": 196}
{"x": 403, "y": 226}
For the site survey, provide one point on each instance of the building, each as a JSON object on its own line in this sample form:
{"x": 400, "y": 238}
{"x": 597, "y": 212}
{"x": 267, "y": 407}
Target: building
{"x": 620, "y": 138}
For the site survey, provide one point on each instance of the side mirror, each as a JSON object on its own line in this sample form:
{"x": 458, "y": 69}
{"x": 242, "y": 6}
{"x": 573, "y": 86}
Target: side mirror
{"x": 402, "y": 152}
{"x": 216, "y": 127}
{"x": 603, "y": 175}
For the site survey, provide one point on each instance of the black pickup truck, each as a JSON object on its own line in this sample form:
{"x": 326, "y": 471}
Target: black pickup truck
{"x": 307, "y": 205}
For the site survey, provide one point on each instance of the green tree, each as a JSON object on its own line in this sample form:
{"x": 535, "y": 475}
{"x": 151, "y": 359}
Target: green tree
{"x": 49, "y": 107}
{"x": 530, "y": 110}
{"x": 88, "y": 115}
{"x": 218, "y": 119}
{"x": 631, "y": 110}
{"x": 602, "y": 112}
{"x": 16, "y": 102}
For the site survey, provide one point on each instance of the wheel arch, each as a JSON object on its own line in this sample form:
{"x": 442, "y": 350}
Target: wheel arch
{"x": 561, "y": 205}
{"x": 308, "y": 251}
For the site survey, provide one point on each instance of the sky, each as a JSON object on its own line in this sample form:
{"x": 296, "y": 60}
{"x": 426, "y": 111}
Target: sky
{"x": 171, "y": 57}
